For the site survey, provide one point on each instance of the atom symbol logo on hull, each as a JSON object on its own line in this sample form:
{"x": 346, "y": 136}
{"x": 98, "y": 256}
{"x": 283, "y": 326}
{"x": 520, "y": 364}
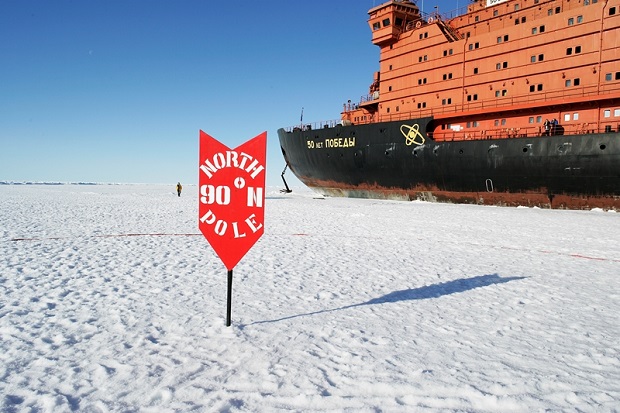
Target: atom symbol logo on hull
{"x": 412, "y": 134}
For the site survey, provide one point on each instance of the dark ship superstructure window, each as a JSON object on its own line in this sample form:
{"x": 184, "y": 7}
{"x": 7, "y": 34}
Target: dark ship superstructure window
{"x": 536, "y": 30}
{"x": 571, "y": 20}
{"x": 609, "y": 76}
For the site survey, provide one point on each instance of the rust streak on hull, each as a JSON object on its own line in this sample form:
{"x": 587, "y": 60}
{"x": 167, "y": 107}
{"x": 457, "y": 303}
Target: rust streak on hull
{"x": 540, "y": 199}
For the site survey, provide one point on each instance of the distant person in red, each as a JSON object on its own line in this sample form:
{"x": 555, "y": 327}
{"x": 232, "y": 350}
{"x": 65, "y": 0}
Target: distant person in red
{"x": 179, "y": 188}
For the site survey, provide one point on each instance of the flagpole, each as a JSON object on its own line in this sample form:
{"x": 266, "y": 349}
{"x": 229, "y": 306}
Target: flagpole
{"x": 229, "y": 298}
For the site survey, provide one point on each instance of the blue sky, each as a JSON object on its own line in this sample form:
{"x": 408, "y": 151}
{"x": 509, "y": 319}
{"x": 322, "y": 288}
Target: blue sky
{"x": 117, "y": 90}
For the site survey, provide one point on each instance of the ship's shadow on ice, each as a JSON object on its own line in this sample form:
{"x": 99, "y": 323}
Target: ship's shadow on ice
{"x": 420, "y": 293}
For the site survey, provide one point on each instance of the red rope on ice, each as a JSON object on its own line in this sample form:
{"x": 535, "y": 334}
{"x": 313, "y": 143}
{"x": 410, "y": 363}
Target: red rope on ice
{"x": 109, "y": 236}
{"x": 574, "y": 255}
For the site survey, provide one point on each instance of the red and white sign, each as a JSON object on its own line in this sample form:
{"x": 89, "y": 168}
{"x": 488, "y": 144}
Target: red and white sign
{"x": 231, "y": 201}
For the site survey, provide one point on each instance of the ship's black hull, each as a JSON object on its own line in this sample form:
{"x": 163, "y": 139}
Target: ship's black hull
{"x": 398, "y": 160}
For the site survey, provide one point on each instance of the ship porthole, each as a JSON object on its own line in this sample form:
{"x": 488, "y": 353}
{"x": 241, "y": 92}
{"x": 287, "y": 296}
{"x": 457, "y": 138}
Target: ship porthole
{"x": 524, "y": 149}
{"x": 415, "y": 153}
{"x": 460, "y": 151}
{"x": 603, "y": 147}
{"x": 387, "y": 153}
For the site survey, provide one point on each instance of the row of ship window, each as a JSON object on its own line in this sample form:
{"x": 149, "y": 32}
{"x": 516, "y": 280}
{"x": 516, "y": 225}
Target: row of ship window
{"x": 533, "y": 88}
{"x": 504, "y": 65}
{"x": 505, "y": 38}
{"x": 500, "y": 39}
{"x": 533, "y": 59}
{"x": 607, "y": 113}
{"x": 449, "y": 52}
{"x": 550, "y": 12}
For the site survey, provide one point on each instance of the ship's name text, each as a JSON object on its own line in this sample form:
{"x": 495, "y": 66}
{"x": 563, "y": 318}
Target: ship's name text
{"x": 494, "y": 2}
{"x": 332, "y": 143}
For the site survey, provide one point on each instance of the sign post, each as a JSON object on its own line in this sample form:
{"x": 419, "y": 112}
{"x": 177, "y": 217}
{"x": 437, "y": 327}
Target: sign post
{"x": 231, "y": 199}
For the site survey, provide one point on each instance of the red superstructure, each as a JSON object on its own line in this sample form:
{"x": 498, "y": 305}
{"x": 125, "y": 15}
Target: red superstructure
{"x": 500, "y": 70}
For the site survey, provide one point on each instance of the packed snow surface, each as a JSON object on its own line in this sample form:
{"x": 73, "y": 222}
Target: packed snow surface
{"x": 112, "y": 301}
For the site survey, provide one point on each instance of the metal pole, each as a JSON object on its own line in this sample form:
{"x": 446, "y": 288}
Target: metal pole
{"x": 229, "y": 300}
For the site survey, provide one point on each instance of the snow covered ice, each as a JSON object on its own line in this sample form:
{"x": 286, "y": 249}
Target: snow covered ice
{"x": 111, "y": 300}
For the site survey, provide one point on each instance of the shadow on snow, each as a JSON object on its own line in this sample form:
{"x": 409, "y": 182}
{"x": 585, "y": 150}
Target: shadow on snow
{"x": 421, "y": 293}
